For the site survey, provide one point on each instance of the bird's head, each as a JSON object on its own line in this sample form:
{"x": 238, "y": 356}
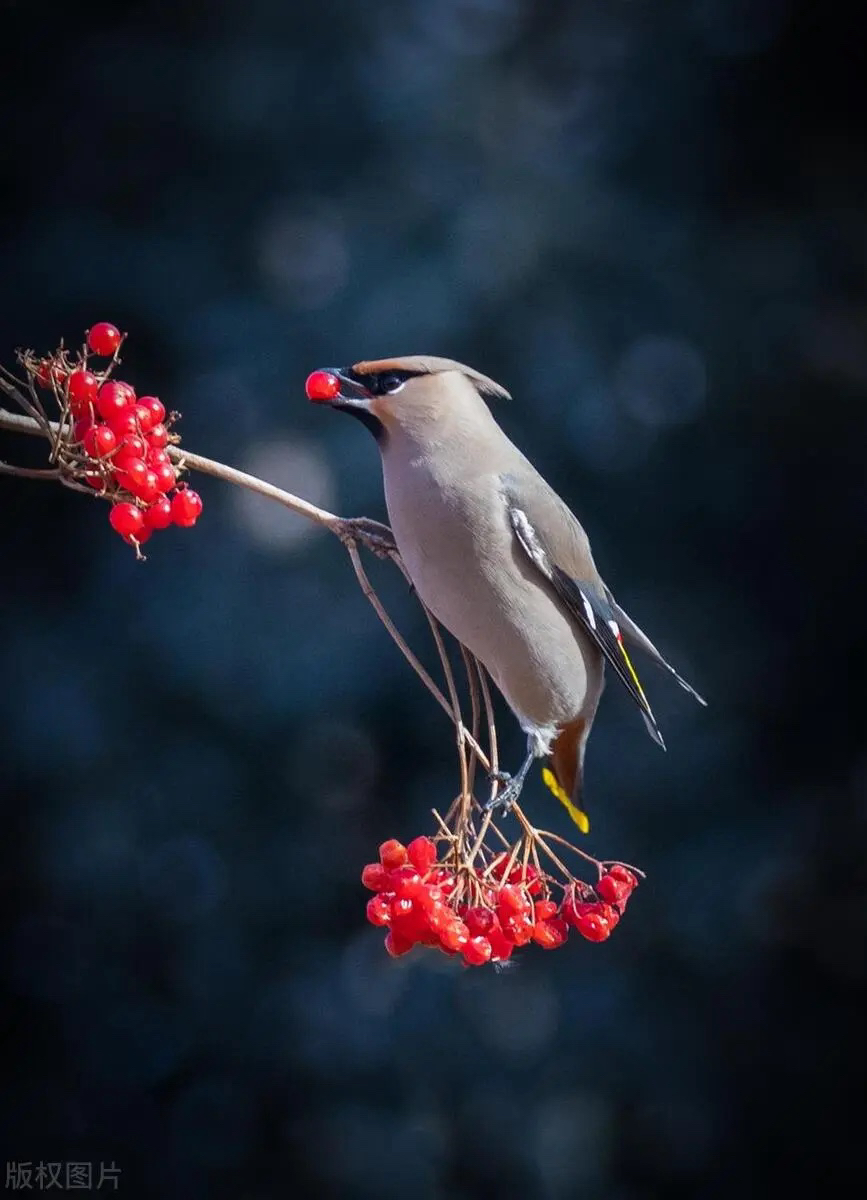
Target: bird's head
{"x": 412, "y": 394}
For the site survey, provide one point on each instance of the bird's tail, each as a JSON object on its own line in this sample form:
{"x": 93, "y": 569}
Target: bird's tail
{"x": 565, "y": 776}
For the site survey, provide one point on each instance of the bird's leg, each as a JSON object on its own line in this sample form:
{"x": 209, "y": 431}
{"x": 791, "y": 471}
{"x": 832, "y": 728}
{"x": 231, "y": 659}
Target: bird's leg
{"x": 506, "y": 798}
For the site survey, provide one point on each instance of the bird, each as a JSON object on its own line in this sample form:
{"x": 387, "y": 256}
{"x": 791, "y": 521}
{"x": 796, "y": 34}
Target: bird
{"x": 496, "y": 556}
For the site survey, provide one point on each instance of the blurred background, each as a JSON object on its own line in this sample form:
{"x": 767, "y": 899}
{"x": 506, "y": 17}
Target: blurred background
{"x": 648, "y": 222}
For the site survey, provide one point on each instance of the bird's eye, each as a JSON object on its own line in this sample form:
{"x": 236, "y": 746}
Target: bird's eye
{"x": 389, "y": 382}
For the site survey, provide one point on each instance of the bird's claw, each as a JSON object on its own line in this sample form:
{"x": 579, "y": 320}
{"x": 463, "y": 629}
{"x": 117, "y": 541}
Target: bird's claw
{"x": 372, "y": 534}
{"x": 508, "y": 795}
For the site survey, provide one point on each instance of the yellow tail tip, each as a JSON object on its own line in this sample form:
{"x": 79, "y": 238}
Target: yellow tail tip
{"x": 577, "y": 814}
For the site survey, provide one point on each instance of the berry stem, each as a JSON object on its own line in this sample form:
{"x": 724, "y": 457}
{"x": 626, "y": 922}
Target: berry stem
{"x": 555, "y": 837}
{"x": 531, "y": 832}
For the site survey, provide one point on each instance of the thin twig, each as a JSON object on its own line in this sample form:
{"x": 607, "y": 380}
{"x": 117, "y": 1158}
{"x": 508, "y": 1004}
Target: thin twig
{"x": 486, "y": 821}
{"x": 494, "y": 764}
{"x": 475, "y": 710}
{"x": 457, "y": 715}
{"x": 217, "y": 470}
{"x": 367, "y": 589}
{"x": 46, "y": 473}
{"x": 11, "y": 386}
{"x": 530, "y": 832}
{"x": 555, "y": 837}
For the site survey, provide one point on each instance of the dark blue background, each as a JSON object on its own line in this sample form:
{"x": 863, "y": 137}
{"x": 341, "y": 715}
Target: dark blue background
{"x": 648, "y": 222}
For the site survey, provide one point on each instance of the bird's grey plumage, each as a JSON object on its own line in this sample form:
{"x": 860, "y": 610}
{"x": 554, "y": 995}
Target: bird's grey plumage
{"x": 495, "y": 553}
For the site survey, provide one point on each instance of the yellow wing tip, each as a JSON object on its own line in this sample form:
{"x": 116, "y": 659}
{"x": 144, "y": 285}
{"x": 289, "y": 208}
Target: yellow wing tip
{"x": 577, "y": 814}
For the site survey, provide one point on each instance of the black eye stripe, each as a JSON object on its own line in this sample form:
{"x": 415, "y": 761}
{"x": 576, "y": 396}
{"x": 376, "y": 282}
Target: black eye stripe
{"x": 383, "y": 382}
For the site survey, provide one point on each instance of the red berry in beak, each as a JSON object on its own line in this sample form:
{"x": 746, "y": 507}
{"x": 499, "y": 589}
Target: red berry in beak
{"x": 322, "y": 385}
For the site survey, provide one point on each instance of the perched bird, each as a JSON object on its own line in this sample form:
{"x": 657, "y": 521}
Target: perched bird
{"x": 495, "y": 555}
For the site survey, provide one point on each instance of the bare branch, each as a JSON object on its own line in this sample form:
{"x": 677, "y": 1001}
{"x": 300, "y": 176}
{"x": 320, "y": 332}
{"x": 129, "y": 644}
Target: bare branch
{"x": 217, "y": 470}
{"x": 49, "y": 474}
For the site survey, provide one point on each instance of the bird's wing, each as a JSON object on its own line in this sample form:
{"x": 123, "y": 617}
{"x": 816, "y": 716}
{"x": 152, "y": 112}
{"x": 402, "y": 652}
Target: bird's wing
{"x": 556, "y": 545}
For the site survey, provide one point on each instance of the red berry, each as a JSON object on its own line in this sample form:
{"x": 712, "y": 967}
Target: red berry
{"x": 444, "y": 878}
{"x": 396, "y": 944}
{"x": 501, "y": 947}
{"x": 614, "y": 891}
{"x": 543, "y": 910}
{"x": 431, "y": 896}
{"x": 113, "y": 397}
{"x": 378, "y": 910}
{"x": 406, "y": 883}
{"x": 123, "y": 456}
{"x": 80, "y": 428}
{"x": 125, "y": 421}
{"x": 594, "y": 921}
{"x": 156, "y": 408}
{"x": 480, "y": 921}
{"x": 133, "y": 476}
{"x": 548, "y": 935}
{"x": 392, "y": 854}
{"x": 186, "y": 510}
{"x": 561, "y": 926}
{"x": 477, "y": 952}
{"x": 135, "y": 444}
{"x": 572, "y": 906}
{"x": 454, "y": 935}
{"x": 512, "y": 899}
{"x": 517, "y": 929}
{"x": 49, "y": 372}
{"x": 528, "y": 875}
{"x": 437, "y": 915}
{"x": 94, "y": 480}
{"x": 103, "y": 338}
{"x": 143, "y": 417}
{"x": 609, "y": 913}
{"x": 126, "y": 519}
{"x": 166, "y": 476}
{"x": 594, "y": 927}
{"x": 147, "y": 489}
{"x": 624, "y": 875}
{"x": 422, "y": 853}
{"x": 83, "y": 387}
{"x": 99, "y": 441}
{"x": 322, "y": 385}
{"x": 158, "y": 437}
{"x": 159, "y": 516}
{"x": 155, "y": 458}
{"x": 569, "y": 909}
{"x": 374, "y": 876}
{"x": 401, "y": 908}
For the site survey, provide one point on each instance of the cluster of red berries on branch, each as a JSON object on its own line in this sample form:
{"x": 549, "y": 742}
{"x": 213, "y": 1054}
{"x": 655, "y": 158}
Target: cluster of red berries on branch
{"x": 114, "y": 440}
{"x": 484, "y": 913}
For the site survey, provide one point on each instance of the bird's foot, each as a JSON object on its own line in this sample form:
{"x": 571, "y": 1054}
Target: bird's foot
{"x": 372, "y": 534}
{"x": 507, "y": 796}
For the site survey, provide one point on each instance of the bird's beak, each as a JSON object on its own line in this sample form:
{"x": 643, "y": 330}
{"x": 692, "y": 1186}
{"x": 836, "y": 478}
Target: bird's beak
{"x": 332, "y": 386}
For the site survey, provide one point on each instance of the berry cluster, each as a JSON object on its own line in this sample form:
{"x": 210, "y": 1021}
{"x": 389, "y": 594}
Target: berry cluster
{"x": 119, "y": 442}
{"x": 422, "y": 902}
